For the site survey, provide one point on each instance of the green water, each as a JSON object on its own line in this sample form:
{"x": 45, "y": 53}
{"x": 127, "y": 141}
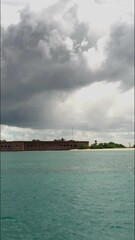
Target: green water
{"x": 68, "y": 195}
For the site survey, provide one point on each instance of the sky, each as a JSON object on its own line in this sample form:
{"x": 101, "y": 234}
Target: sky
{"x": 67, "y": 64}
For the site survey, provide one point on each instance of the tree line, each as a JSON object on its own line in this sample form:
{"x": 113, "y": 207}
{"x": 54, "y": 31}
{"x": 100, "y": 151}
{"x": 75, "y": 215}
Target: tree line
{"x": 97, "y": 145}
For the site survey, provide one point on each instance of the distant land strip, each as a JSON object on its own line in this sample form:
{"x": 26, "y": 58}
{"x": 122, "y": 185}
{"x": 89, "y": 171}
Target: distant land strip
{"x": 38, "y": 145}
{"x": 60, "y": 144}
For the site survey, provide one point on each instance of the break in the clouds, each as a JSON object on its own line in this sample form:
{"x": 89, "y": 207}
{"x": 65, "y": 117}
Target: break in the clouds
{"x": 54, "y": 59}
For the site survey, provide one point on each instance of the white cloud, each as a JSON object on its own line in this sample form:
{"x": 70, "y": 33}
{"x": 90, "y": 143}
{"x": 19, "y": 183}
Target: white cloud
{"x": 84, "y": 43}
{"x": 99, "y": 14}
{"x": 42, "y": 4}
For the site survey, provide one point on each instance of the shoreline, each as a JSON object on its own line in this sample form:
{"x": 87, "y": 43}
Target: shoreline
{"x": 105, "y": 149}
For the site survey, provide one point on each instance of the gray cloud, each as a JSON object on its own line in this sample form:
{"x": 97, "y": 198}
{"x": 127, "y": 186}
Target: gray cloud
{"x": 120, "y": 54}
{"x": 42, "y": 60}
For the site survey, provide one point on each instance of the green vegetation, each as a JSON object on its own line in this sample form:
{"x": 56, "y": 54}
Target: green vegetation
{"x": 83, "y": 147}
{"x": 106, "y": 145}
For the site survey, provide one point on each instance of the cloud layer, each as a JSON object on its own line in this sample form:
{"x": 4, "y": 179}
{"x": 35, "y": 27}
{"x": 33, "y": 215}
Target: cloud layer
{"x": 49, "y": 56}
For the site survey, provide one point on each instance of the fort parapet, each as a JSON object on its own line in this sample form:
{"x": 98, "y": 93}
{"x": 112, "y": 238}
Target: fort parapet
{"x": 37, "y": 145}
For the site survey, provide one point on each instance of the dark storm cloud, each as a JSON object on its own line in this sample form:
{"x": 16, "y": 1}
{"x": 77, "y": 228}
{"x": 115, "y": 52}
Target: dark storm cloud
{"x": 120, "y": 54}
{"x": 37, "y": 56}
{"x": 43, "y": 56}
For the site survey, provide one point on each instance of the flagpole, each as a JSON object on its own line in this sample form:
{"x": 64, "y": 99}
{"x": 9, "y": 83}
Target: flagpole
{"x": 72, "y": 132}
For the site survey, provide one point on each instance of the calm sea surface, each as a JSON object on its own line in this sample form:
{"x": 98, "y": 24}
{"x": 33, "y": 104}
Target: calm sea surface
{"x": 67, "y": 195}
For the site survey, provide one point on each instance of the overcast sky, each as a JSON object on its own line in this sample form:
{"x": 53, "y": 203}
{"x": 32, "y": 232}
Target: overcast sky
{"x": 67, "y": 64}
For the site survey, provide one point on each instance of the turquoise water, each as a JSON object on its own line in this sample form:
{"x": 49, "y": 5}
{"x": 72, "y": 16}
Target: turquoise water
{"x": 68, "y": 195}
